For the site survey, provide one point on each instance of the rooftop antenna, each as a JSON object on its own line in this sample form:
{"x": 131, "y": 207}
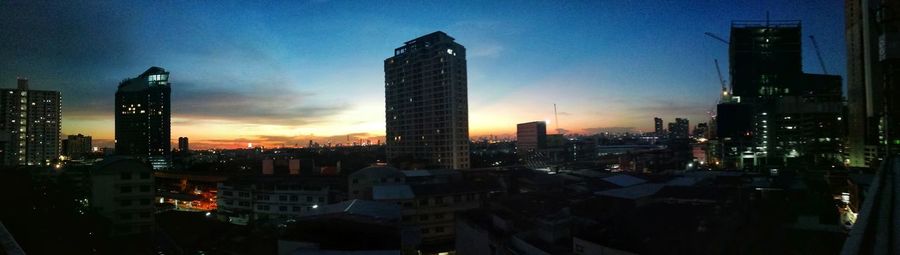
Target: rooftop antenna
{"x": 556, "y": 117}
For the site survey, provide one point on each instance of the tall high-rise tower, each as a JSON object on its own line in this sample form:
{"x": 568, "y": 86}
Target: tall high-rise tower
{"x": 143, "y": 117}
{"x": 426, "y": 104}
{"x": 873, "y": 64}
{"x": 658, "y": 127}
{"x": 30, "y": 122}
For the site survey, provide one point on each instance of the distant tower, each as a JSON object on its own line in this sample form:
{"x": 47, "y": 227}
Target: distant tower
{"x": 183, "y": 145}
{"x": 658, "y": 125}
{"x": 143, "y": 117}
{"x": 426, "y": 105}
{"x": 30, "y": 120}
{"x": 530, "y": 137}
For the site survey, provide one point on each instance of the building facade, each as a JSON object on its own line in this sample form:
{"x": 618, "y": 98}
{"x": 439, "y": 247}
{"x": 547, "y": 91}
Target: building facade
{"x": 269, "y": 199}
{"x": 776, "y": 115}
{"x": 679, "y": 129}
{"x": 426, "y": 103}
{"x": 658, "y": 128}
{"x": 29, "y": 125}
{"x": 122, "y": 190}
{"x": 531, "y": 137}
{"x": 183, "y": 145}
{"x": 143, "y": 117}
{"x": 77, "y": 146}
{"x": 873, "y": 65}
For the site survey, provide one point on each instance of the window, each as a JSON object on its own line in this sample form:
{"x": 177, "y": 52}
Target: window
{"x": 296, "y": 208}
{"x": 439, "y": 215}
{"x": 439, "y": 229}
{"x": 125, "y": 202}
{"x": 321, "y": 199}
{"x": 282, "y": 198}
{"x": 145, "y": 188}
{"x": 145, "y": 215}
{"x": 125, "y": 189}
{"x": 125, "y": 176}
{"x": 282, "y": 208}
{"x": 309, "y": 199}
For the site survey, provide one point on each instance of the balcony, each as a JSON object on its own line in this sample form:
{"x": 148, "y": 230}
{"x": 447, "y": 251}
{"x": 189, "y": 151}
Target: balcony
{"x": 877, "y": 228}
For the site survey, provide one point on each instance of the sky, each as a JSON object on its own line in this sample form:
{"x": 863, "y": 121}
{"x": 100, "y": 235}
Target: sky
{"x": 283, "y": 73}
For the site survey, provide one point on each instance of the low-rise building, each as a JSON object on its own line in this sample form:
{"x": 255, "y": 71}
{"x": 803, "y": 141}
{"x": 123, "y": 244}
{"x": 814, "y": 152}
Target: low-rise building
{"x": 272, "y": 199}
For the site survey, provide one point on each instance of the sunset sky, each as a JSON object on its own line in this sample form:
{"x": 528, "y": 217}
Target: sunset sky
{"x": 285, "y": 73}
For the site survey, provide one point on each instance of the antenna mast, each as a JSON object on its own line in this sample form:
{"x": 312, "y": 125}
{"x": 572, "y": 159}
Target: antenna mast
{"x": 556, "y": 117}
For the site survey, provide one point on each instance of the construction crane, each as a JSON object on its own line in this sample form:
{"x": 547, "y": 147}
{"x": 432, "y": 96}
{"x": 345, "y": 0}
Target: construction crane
{"x": 818, "y": 54}
{"x": 721, "y": 80}
{"x": 717, "y": 37}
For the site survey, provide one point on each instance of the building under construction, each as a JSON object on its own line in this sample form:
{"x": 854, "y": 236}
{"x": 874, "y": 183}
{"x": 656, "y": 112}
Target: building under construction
{"x": 777, "y": 116}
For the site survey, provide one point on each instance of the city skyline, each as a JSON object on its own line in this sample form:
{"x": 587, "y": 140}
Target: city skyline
{"x": 276, "y": 76}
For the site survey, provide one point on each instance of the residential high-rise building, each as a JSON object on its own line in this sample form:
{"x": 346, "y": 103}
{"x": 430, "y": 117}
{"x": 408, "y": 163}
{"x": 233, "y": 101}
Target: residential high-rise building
{"x": 76, "y": 146}
{"x": 143, "y": 117}
{"x": 873, "y": 61}
{"x": 183, "y": 145}
{"x": 531, "y": 137}
{"x": 426, "y": 103}
{"x": 679, "y": 129}
{"x": 658, "y": 127}
{"x": 29, "y": 125}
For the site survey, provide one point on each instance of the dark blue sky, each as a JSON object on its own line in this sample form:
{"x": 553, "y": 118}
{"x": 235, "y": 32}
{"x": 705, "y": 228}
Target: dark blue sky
{"x": 284, "y": 72}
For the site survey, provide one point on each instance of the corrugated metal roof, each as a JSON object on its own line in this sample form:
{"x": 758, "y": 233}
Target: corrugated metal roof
{"x": 392, "y": 192}
{"x": 633, "y": 192}
{"x": 624, "y": 180}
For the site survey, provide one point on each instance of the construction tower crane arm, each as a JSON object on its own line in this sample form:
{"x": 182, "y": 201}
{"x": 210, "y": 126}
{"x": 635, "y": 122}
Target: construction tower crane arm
{"x": 721, "y": 80}
{"x": 717, "y": 37}
{"x": 818, "y": 54}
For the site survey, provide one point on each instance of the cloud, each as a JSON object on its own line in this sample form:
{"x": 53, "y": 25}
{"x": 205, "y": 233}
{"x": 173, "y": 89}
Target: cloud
{"x": 270, "y": 105}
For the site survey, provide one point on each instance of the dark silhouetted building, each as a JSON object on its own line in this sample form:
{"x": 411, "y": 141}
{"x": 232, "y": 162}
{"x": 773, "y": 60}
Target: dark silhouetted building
{"x": 29, "y": 125}
{"x": 530, "y": 137}
{"x": 143, "y": 117}
{"x": 426, "y": 105}
{"x": 76, "y": 146}
{"x": 775, "y": 113}
{"x": 183, "y": 145}
{"x": 873, "y": 61}
{"x": 764, "y": 58}
{"x": 658, "y": 127}
{"x": 679, "y": 129}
